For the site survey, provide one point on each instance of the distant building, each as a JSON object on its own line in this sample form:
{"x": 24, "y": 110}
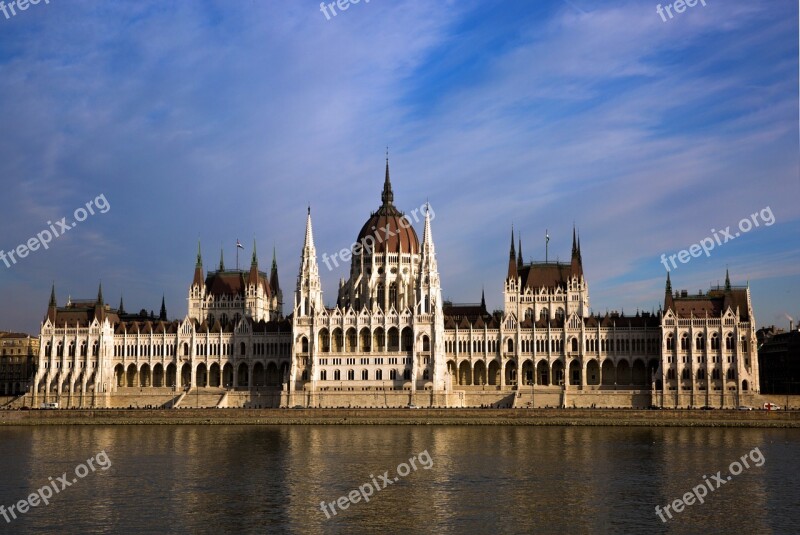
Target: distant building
{"x": 18, "y": 355}
{"x": 779, "y": 360}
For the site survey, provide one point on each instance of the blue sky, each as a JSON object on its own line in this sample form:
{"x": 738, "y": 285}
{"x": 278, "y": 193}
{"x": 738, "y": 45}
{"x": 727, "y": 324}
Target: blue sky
{"x": 224, "y": 120}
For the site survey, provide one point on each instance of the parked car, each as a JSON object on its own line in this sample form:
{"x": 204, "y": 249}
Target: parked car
{"x": 744, "y": 408}
{"x": 771, "y": 407}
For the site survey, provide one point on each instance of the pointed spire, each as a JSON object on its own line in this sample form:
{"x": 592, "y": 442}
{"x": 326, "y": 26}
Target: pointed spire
{"x": 198, "y": 268}
{"x": 483, "y": 300}
{"x": 574, "y": 242}
{"x": 121, "y": 309}
{"x": 727, "y": 280}
{"x": 519, "y": 257}
{"x": 52, "y": 310}
{"x": 512, "y": 258}
{"x": 273, "y": 276}
{"x": 254, "y": 259}
{"x": 427, "y": 237}
{"x": 669, "y": 301}
{"x": 387, "y": 197}
{"x": 309, "y": 239}
{"x": 100, "y": 294}
{"x": 577, "y": 263}
{"x": 221, "y": 260}
{"x": 162, "y": 315}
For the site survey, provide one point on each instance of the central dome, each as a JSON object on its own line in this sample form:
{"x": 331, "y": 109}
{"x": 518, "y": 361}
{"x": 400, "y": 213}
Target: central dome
{"x": 388, "y": 230}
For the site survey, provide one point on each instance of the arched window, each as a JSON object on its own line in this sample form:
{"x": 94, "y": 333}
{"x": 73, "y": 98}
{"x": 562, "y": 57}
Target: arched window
{"x": 700, "y": 342}
{"x": 407, "y": 375}
{"x": 393, "y": 295}
{"x": 323, "y": 375}
{"x": 574, "y": 345}
{"x": 379, "y": 375}
{"x": 304, "y": 344}
{"x": 392, "y": 375}
{"x": 684, "y": 342}
{"x": 510, "y": 345}
{"x": 744, "y": 344}
{"x": 544, "y": 314}
{"x": 426, "y": 375}
{"x": 364, "y": 375}
{"x": 670, "y": 342}
{"x": 729, "y": 342}
{"x": 351, "y": 375}
{"x": 381, "y": 295}
{"x": 337, "y": 375}
{"x": 714, "y": 341}
{"x": 242, "y": 349}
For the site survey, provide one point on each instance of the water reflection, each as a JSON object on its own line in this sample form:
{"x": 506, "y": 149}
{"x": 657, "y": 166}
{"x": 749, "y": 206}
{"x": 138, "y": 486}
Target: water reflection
{"x": 256, "y": 479}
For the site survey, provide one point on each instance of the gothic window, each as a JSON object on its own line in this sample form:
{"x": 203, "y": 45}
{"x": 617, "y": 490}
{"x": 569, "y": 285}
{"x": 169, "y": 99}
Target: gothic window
{"x": 381, "y": 295}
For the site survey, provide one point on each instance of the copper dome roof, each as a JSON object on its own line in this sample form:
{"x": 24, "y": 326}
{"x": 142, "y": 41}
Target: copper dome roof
{"x": 388, "y": 230}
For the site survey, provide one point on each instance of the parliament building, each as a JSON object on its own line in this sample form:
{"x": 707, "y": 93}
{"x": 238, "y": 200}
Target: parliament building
{"x": 392, "y": 341}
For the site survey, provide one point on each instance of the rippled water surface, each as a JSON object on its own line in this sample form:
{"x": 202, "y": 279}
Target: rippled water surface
{"x": 271, "y": 479}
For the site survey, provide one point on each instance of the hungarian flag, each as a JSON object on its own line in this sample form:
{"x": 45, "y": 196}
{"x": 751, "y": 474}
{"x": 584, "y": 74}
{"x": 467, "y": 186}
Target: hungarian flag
{"x": 239, "y": 245}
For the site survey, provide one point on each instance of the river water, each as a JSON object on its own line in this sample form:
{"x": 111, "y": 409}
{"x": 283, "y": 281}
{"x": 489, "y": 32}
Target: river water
{"x": 464, "y": 480}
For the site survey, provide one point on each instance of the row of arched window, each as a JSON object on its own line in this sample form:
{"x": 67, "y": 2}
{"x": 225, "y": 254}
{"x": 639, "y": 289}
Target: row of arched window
{"x": 700, "y": 342}
{"x": 48, "y": 349}
{"x": 686, "y": 374}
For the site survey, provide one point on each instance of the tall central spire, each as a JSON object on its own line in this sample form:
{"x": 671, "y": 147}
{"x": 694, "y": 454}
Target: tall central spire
{"x": 387, "y": 196}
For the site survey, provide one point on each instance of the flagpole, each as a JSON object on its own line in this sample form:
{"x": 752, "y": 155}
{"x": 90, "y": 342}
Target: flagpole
{"x": 237, "y": 255}
{"x": 546, "y": 244}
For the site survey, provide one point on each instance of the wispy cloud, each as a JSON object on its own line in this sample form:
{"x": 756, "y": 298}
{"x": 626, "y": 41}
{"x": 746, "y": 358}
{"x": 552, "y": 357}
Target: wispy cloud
{"x": 224, "y": 120}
